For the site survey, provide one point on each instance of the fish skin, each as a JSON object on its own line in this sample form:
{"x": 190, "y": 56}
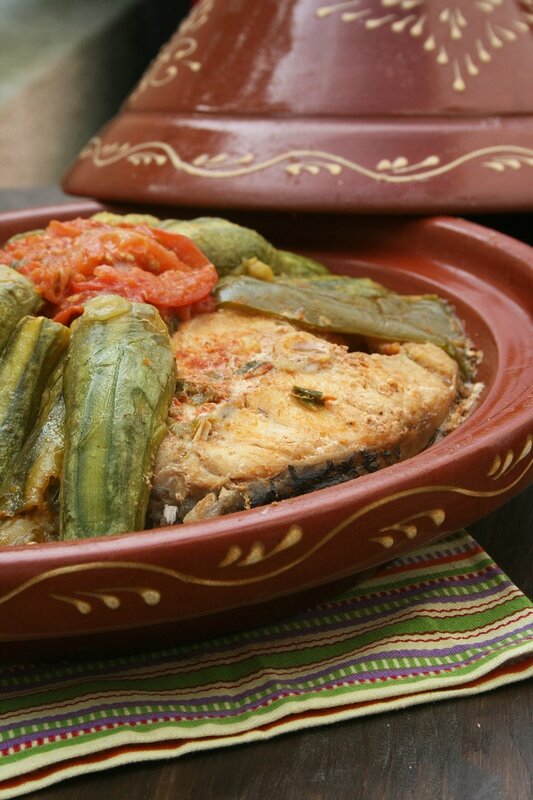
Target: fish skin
{"x": 241, "y": 438}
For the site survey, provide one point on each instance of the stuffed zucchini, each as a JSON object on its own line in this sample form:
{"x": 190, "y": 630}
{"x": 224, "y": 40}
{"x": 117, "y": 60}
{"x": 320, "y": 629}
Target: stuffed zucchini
{"x": 18, "y": 297}
{"x": 118, "y": 382}
{"x": 34, "y": 480}
{"x": 30, "y": 356}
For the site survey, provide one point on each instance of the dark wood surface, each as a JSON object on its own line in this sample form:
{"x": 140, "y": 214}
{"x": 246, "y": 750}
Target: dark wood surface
{"x": 474, "y": 748}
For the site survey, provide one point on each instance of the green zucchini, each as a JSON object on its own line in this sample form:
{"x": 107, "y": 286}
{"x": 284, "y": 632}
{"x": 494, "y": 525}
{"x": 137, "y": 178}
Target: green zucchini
{"x": 118, "y": 383}
{"x": 34, "y": 480}
{"x": 25, "y": 366}
{"x": 227, "y": 245}
{"x": 18, "y": 298}
{"x": 294, "y": 265}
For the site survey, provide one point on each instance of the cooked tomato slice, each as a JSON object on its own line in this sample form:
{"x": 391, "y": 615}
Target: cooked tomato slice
{"x": 72, "y": 261}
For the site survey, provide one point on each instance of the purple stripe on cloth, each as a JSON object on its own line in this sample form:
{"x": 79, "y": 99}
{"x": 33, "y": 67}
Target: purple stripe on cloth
{"x": 409, "y": 593}
{"x": 282, "y": 686}
{"x": 269, "y": 699}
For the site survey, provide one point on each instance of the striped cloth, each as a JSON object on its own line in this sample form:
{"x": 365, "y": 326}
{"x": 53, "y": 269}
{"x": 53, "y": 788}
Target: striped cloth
{"x": 442, "y": 622}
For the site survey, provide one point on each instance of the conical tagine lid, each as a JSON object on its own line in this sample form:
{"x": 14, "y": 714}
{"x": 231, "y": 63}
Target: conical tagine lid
{"x": 387, "y": 106}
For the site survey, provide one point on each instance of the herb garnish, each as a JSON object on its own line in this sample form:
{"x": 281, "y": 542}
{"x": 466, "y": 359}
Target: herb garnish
{"x": 311, "y": 396}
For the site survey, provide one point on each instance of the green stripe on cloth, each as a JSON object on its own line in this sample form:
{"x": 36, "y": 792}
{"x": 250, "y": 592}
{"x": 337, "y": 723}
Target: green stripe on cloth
{"x": 444, "y": 621}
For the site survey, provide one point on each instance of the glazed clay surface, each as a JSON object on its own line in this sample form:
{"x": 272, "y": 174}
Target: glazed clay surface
{"x": 207, "y": 577}
{"x": 359, "y": 106}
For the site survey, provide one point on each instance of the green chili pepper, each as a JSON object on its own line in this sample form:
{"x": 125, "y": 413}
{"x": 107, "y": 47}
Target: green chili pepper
{"x": 389, "y": 316}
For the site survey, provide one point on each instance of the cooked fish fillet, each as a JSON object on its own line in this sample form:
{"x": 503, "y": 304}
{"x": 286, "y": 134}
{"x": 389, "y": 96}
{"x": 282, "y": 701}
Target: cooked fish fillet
{"x": 33, "y": 528}
{"x": 266, "y": 411}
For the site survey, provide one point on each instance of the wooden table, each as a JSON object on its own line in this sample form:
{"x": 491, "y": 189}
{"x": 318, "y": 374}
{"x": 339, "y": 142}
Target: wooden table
{"x": 476, "y": 748}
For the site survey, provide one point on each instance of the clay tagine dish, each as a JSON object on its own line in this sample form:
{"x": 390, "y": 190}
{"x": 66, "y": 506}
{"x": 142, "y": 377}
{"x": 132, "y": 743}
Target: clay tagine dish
{"x": 358, "y": 106}
{"x": 146, "y": 589}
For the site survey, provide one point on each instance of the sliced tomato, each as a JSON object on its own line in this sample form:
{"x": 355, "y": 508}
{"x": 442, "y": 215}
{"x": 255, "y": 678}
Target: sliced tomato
{"x": 73, "y": 307}
{"x": 72, "y": 261}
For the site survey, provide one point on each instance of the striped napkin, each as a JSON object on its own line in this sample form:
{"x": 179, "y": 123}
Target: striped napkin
{"x": 442, "y": 622}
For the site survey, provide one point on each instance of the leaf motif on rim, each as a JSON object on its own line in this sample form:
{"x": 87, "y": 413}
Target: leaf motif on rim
{"x": 257, "y": 551}
{"x": 504, "y": 463}
{"x": 408, "y": 527}
{"x": 107, "y": 597}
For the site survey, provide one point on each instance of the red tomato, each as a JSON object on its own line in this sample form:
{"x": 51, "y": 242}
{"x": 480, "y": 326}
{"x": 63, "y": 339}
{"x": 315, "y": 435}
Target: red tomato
{"x": 72, "y": 261}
